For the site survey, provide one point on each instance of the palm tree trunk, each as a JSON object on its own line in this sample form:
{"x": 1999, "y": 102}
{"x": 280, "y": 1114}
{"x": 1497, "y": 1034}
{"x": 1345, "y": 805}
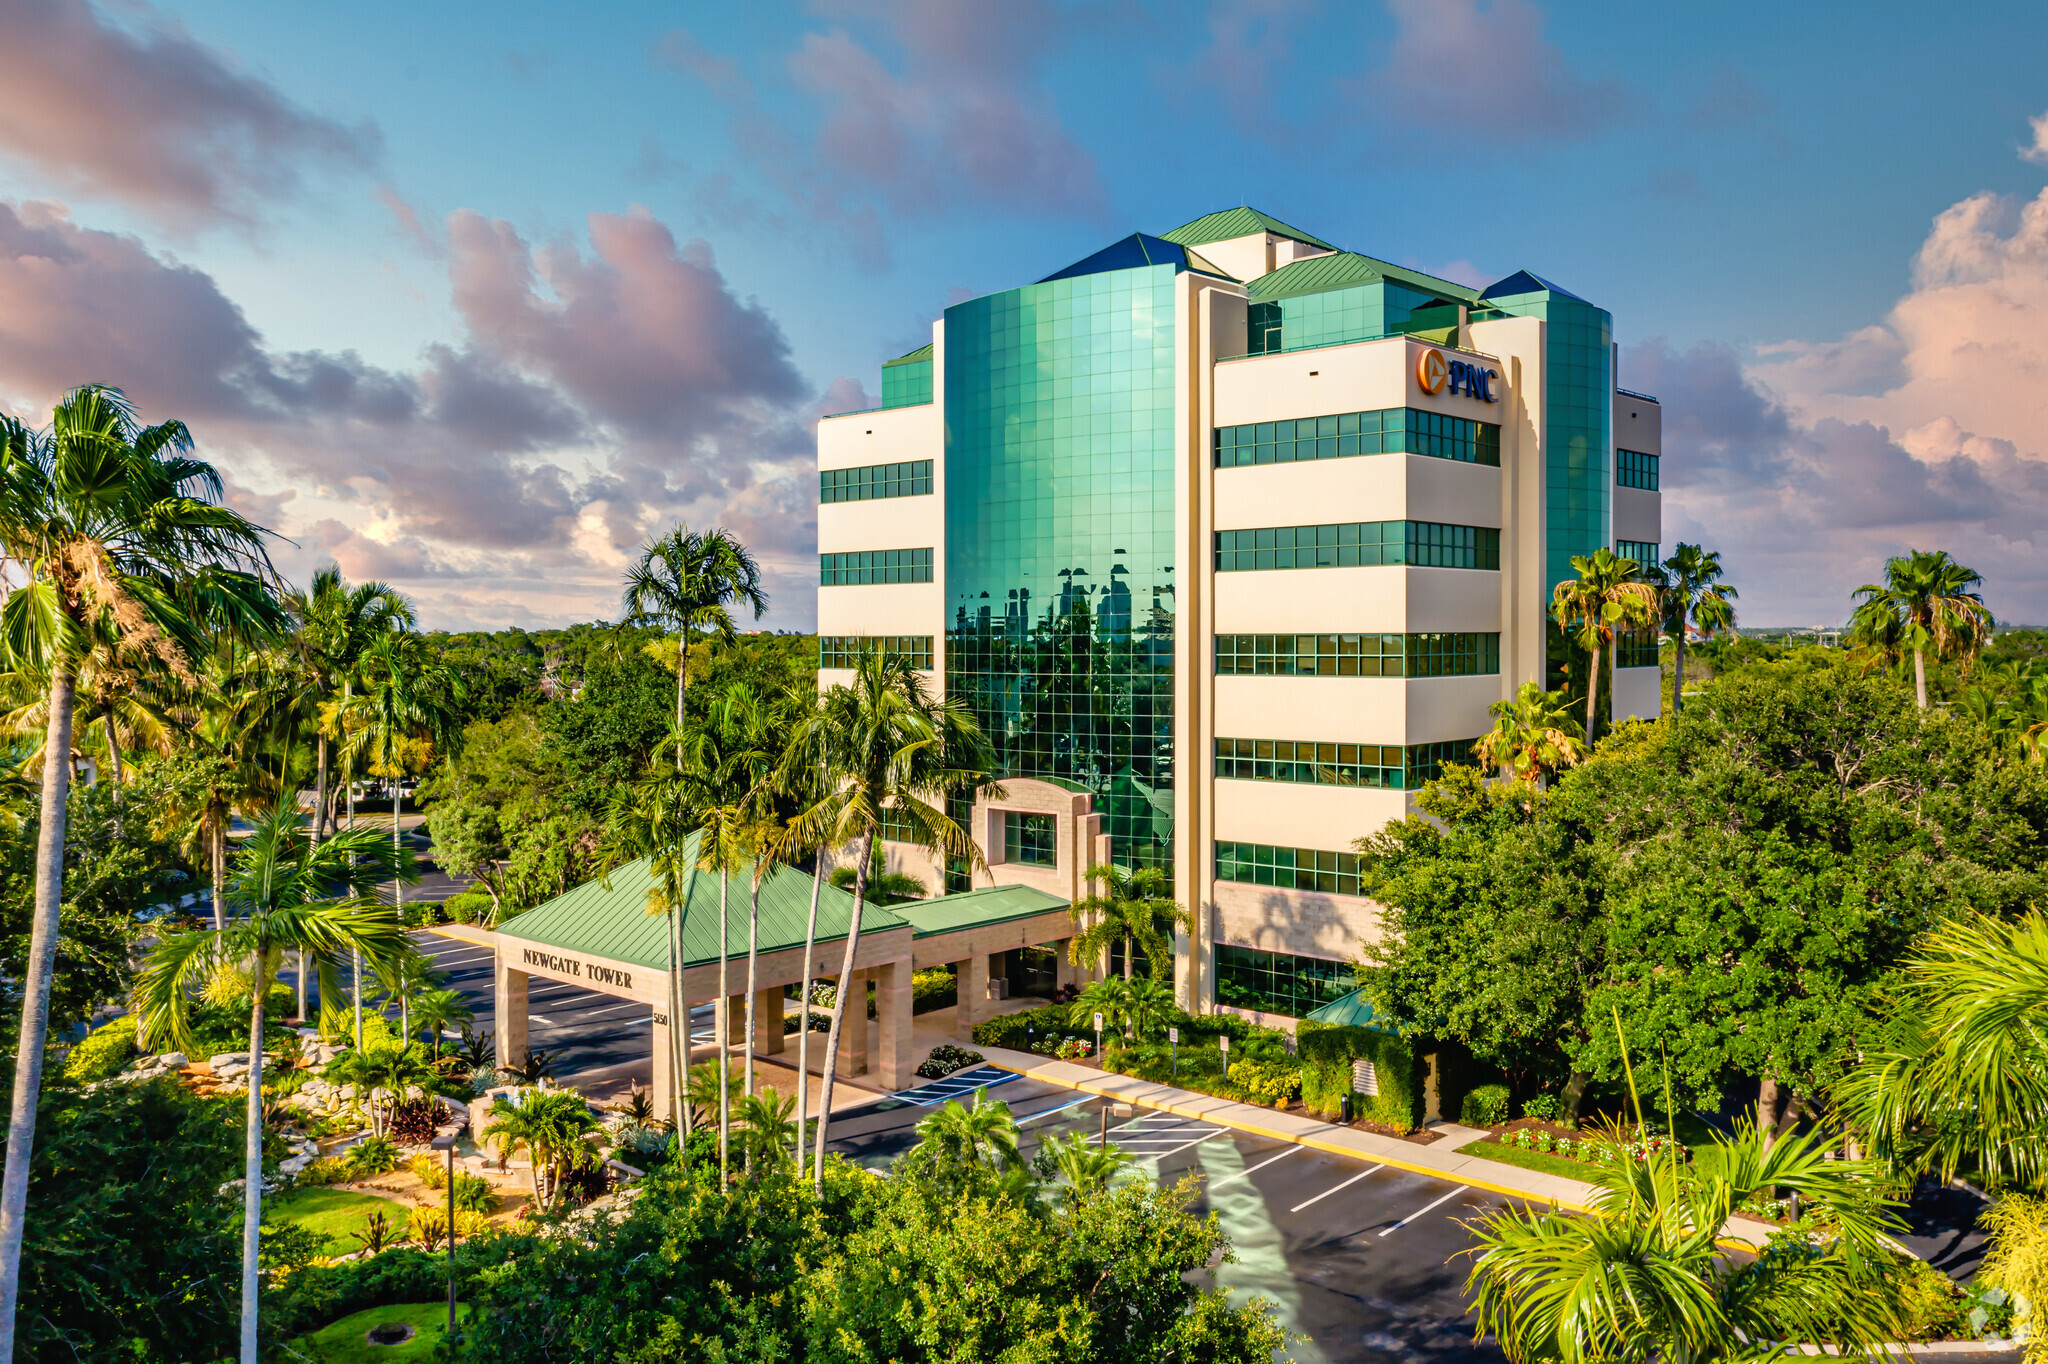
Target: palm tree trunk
{"x": 356, "y": 987}
{"x": 678, "y": 1035}
{"x": 35, "y": 1003}
{"x": 1128, "y": 954}
{"x": 682, "y": 673}
{"x": 860, "y": 897}
{"x": 252, "y": 1174}
{"x": 803, "y": 1034}
{"x": 1678, "y": 677}
{"x": 217, "y": 857}
{"x": 1592, "y": 694}
{"x": 724, "y": 1016}
{"x": 753, "y": 970}
{"x": 1920, "y": 677}
{"x": 319, "y": 787}
{"x": 114, "y": 768}
{"x": 397, "y": 851}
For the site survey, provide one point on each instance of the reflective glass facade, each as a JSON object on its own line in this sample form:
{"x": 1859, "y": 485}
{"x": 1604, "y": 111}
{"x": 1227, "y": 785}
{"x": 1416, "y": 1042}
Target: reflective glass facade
{"x": 1394, "y": 430}
{"x": 908, "y": 478}
{"x": 1060, "y": 553}
{"x": 908, "y": 382}
{"x": 1378, "y": 766}
{"x": 1029, "y": 839}
{"x": 1425, "y": 655}
{"x": 1358, "y": 544}
{"x": 1279, "y": 982}
{"x": 1335, "y": 317}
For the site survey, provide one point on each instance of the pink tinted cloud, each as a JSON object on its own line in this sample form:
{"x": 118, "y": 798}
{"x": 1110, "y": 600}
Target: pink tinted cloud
{"x": 146, "y": 115}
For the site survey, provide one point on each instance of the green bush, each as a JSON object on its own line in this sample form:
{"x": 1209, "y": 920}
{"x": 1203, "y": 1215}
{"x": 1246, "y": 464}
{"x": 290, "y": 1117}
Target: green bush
{"x": 1327, "y": 1052}
{"x": 468, "y": 907}
{"x": 371, "y": 1156}
{"x": 1260, "y": 1080}
{"x": 932, "y": 989}
{"x": 1486, "y": 1106}
{"x": 318, "y": 1294}
{"x": 103, "y": 1052}
{"x": 1930, "y": 1303}
{"x": 1008, "y": 1030}
{"x": 1543, "y": 1107}
{"x": 325, "y": 1170}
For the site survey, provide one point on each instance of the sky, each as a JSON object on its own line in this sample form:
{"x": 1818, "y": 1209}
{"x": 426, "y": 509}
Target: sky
{"x": 474, "y": 299}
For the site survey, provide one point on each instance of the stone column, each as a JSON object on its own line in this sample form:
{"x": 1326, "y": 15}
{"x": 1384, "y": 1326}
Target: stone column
{"x": 510, "y": 1014}
{"x": 898, "y": 1061}
{"x": 768, "y": 1013}
{"x": 970, "y": 990}
{"x": 853, "y": 1038}
{"x": 662, "y": 1091}
{"x": 729, "y": 1022}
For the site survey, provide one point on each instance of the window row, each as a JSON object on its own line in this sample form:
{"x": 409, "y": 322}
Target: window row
{"x": 1389, "y": 431}
{"x": 1634, "y": 469}
{"x": 1259, "y": 864}
{"x": 868, "y": 566}
{"x": 910, "y": 478}
{"x": 1029, "y": 839}
{"x": 1380, "y": 766}
{"x": 1635, "y": 648}
{"x": 1644, "y": 552}
{"x": 1279, "y": 982}
{"x": 1358, "y": 544}
{"x": 1424, "y": 655}
{"x": 844, "y": 651}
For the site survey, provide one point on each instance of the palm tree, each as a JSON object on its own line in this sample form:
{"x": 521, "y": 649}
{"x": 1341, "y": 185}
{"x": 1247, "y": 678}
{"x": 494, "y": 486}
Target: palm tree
{"x": 551, "y": 1124}
{"x": 1964, "y": 1079}
{"x": 654, "y": 818}
{"x": 885, "y": 887}
{"x": 803, "y": 780}
{"x": 765, "y": 1129}
{"x": 884, "y": 742}
{"x": 1110, "y": 997}
{"x": 957, "y": 1139}
{"x": 1148, "y": 1002}
{"x": 403, "y": 978}
{"x": 1533, "y": 735}
{"x": 1642, "y": 1277}
{"x": 393, "y": 1067}
{"x": 708, "y": 1091}
{"x": 1608, "y": 594}
{"x": 336, "y": 626}
{"x": 111, "y": 531}
{"x": 436, "y": 1009}
{"x": 1694, "y": 595}
{"x": 688, "y": 581}
{"x": 1084, "y": 1168}
{"x": 1134, "y": 908}
{"x": 1925, "y": 604}
{"x": 282, "y": 889}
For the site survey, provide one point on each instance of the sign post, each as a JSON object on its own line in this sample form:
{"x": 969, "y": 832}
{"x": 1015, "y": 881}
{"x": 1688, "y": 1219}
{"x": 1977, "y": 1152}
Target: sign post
{"x": 1223, "y": 1043}
{"x": 1098, "y": 1038}
{"x": 1173, "y": 1050}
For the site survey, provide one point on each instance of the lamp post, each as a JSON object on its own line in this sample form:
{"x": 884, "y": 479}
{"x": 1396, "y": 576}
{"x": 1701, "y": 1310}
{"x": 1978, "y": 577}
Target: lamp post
{"x": 447, "y": 1144}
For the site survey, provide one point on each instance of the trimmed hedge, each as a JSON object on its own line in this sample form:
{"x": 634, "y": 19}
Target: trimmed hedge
{"x": 1484, "y": 1106}
{"x": 1327, "y": 1051}
{"x": 931, "y": 989}
{"x": 103, "y": 1053}
{"x": 468, "y": 907}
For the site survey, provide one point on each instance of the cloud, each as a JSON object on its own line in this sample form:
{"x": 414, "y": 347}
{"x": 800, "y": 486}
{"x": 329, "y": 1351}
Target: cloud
{"x": 1248, "y": 41}
{"x": 954, "y": 117}
{"x": 147, "y": 116}
{"x": 1522, "y": 90}
{"x": 595, "y": 395}
{"x": 2038, "y": 152}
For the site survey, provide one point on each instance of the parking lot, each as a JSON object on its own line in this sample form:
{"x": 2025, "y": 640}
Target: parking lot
{"x": 1354, "y": 1254}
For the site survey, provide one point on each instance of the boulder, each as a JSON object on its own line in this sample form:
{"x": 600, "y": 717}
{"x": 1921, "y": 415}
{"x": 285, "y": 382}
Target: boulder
{"x": 173, "y": 1060}
{"x": 228, "y": 1058}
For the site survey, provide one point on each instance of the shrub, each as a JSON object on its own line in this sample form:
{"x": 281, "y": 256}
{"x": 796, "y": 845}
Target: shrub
{"x": 428, "y": 1225}
{"x": 1930, "y": 1304}
{"x": 1262, "y": 1081}
{"x": 947, "y": 1058}
{"x": 1011, "y": 1030}
{"x": 318, "y": 1294}
{"x": 371, "y": 1156}
{"x": 1544, "y": 1108}
{"x": 1327, "y": 1053}
{"x": 427, "y": 1166}
{"x": 325, "y": 1170}
{"x": 931, "y": 989}
{"x": 468, "y": 907}
{"x": 413, "y": 1122}
{"x": 103, "y": 1052}
{"x": 1486, "y": 1106}
{"x": 643, "y": 1147}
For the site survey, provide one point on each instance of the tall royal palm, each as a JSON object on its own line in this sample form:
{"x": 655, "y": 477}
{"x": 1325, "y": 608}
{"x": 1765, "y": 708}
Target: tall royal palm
{"x": 1533, "y": 735}
{"x": 886, "y": 744}
{"x": 804, "y": 779}
{"x": 1609, "y": 594}
{"x": 1925, "y": 605}
{"x": 336, "y": 625}
{"x": 110, "y": 529}
{"x": 1131, "y": 907}
{"x": 282, "y": 892}
{"x": 1694, "y": 597}
{"x": 689, "y": 581}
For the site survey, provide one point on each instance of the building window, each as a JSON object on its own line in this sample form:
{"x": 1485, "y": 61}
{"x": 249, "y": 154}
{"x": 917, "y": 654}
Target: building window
{"x": 1278, "y": 982}
{"x": 1634, "y": 469}
{"x": 1257, "y": 864}
{"x": 1377, "y": 766}
{"x": 1029, "y": 839}
{"x": 1635, "y": 648}
{"x": 1264, "y": 327}
{"x": 1644, "y": 552}
{"x": 868, "y": 566}
{"x": 910, "y": 478}
{"x": 844, "y": 651}
{"x": 1431, "y": 655}
{"x": 907, "y": 380}
{"x": 895, "y": 828}
{"x": 1358, "y": 544}
{"x": 1389, "y": 431}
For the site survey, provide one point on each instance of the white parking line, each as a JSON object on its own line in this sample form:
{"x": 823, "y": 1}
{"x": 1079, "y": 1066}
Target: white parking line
{"x": 1184, "y": 1145}
{"x": 1345, "y": 1185}
{"x": 599, "y": 1013}
{"x": 1292, "y": 1150}
{"x": 1419, "y": 1211}
{"x": 1050, "y": 1111}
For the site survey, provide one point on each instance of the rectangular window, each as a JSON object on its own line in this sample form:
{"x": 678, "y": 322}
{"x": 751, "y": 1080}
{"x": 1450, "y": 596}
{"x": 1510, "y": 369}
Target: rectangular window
{"x": 1257, "y": 864}
{"x": 869, "y": 566}
{"x": 1358, "y": 544}
{"x": 1635, "y": 648}
{"x": 1390, "y": 431}
{"x": 844, "y": 651}
{"x": 910, "y": 478}
{"x": 1644, "y": 552}
{"x": 1432, "y": 655}
{"x": 895, "y": 828}
{"x": 1279, "y": 982}
{"x": 1634, "y": 469}
{"x": 1029, "y": 839}
{"x": 1375, "y": 766}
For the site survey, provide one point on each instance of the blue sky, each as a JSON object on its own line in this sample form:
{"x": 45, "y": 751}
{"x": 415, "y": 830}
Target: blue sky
{"x": 355, "y": 246}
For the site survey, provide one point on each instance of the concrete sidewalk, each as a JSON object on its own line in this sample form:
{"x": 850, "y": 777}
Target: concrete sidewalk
{"x": 1443, "y": 1159}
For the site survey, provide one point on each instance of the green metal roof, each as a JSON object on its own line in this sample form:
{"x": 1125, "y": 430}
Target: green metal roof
{"x": 1343, "y": 270}
{"x": 1352, "y": 1011}
{"x": 1237, "y": 222}
{"x": 974, "y": 908}
{"x": 608, "y": 917}
{"x": 923, "y": 352}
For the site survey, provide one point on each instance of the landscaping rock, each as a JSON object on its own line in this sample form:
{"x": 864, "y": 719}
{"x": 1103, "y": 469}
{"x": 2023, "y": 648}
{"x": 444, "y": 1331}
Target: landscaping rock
{"x": 228, "y": 1059}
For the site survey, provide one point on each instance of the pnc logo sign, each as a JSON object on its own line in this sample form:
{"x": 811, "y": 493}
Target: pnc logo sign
{"x": 1435, "y": 374}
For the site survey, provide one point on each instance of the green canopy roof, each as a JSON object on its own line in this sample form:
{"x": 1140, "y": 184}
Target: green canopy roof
{"x": 923, "y": 352}
{"x": 1237, "y": 222}
{"x": 1352, "y": 1011}
{"x": 973, "y": 908}
{"x": 1344, "y": 269}
{"x": 608, "y": 917}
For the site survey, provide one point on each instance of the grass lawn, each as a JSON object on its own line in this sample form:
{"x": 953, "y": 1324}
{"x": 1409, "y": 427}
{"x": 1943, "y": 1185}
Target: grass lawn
{"x": 1540, "y": 1161}
{"x": 343, "y": 1342}
{"x": 335, "y": 1214}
